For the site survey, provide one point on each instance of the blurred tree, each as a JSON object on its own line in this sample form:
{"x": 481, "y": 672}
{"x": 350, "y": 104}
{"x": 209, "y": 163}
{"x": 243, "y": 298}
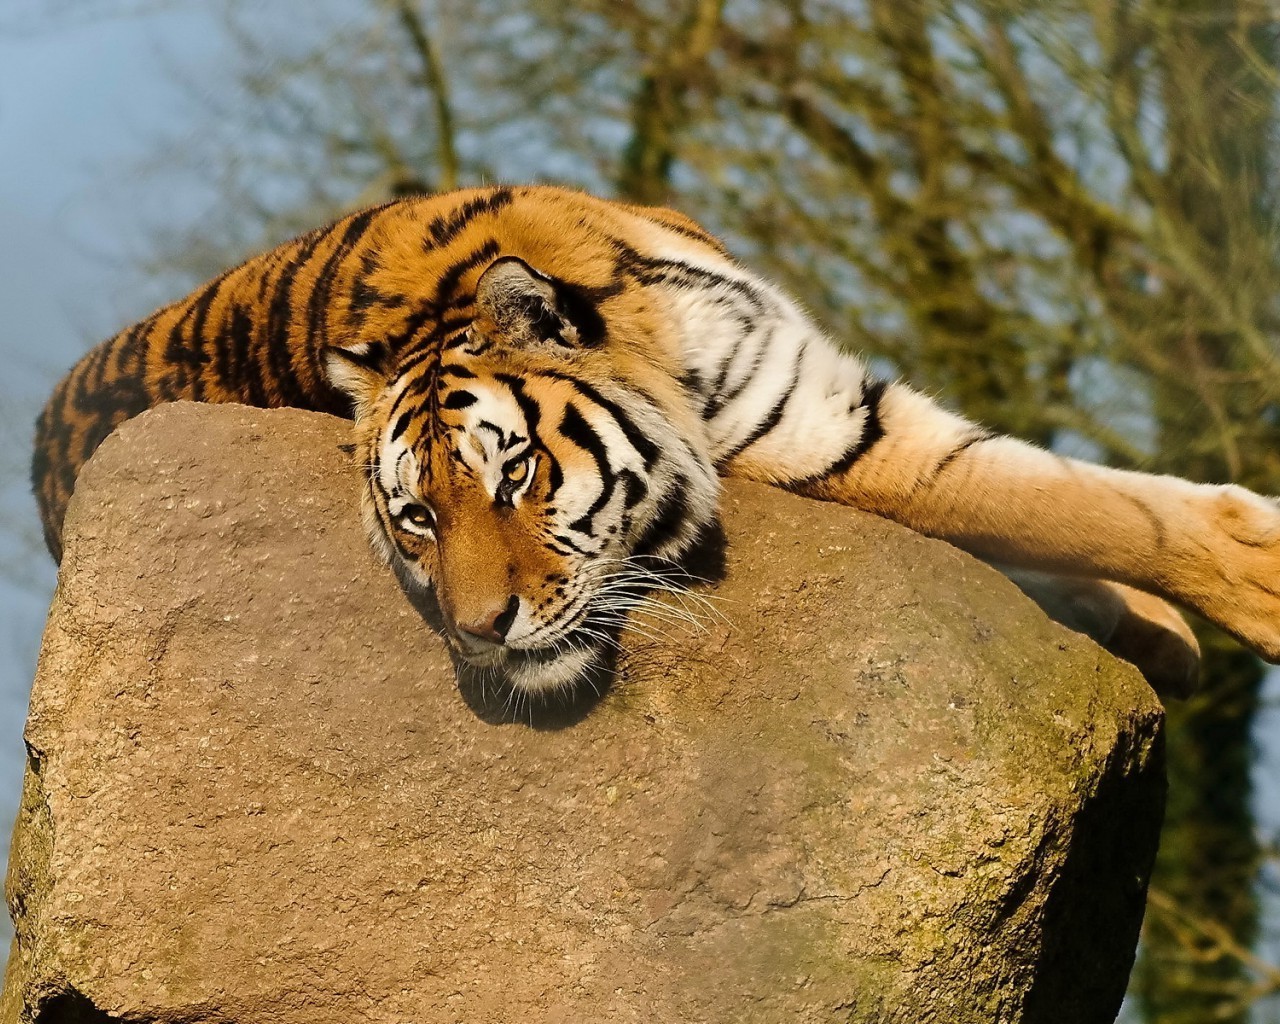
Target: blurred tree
{"x": 1060, "y": 217}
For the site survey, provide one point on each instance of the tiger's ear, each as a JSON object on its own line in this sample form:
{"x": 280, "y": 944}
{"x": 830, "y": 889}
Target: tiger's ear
{"x": 361, "y": 372}
{"x": 516, "y": 305}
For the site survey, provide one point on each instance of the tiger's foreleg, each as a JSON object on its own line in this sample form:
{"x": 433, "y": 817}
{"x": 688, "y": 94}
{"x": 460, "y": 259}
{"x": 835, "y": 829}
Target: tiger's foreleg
{"x": 1214, "y": 549}
{"x": 1140, "y": 628}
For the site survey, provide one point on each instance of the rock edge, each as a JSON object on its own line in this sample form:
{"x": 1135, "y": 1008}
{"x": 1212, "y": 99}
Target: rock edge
{"x": 882, "y": 787}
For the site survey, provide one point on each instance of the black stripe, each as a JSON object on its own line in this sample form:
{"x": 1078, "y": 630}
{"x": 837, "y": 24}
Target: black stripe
{"x": 645, "y": 448}
{"x": 567, "y": 546}
{"x": 407, "y": 415}
{"x": 84, "y": 398}
{"x": 280, "y": 312}
{"x": 252, "y": 387}
{"x": 695, "y": 233}
{"x": 668, "y": 521}
{"x": 474, "y": 348}
{"x": 363, "y": 296}
{"x": 226, "y": 355}
{"x": 872, "y": 429}
{"x": 388, "y": 528}
{"x": 266, "y": 266}
{"x": 1158, "y": 528}
{"x": 496, "y": 430}
{"x": 719, "y": 399}
{"x": 196, "y": 354}
{"x": 408, "y": 359}
{"x": 532, "y": 413}
{"x": 722, "y": 372}
{"x": 459, "y": 399}
{"x": 634, "y": 488}
{"x": 425, "y": 383}
{"x": 454, "y": 323}
{"x": 977, "y": 437}
{"x": 176, "y": 378}
{"x": 398, "y": 344}
{"x": 649, "y": 270}
{"x": 871, "y": 433}
{"x": 402, "y": 424}
{"x": 555, "y": 476}
{"x": 100, "y": 368}
{"x": 448, "y": 281}
{"x": 318, "y": 302}
{"x": 444, "y": 229}
{"x": 126, "y": 346}
{"x": 771, "y": 420}
{"x": 575, "y": 428}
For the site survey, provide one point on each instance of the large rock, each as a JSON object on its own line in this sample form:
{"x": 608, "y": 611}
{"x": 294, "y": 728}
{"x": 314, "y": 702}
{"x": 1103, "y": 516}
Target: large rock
{"x": 883, "y": 787}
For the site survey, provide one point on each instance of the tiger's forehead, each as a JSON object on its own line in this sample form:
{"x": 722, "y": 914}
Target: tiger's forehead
{"x": 458, "y": 419}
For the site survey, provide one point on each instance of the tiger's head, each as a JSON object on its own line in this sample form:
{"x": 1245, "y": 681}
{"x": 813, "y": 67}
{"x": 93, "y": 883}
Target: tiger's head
{"x": 529, "y": 467}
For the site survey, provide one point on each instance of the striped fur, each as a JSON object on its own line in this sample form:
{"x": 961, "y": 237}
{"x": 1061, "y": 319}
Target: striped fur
{"x": 546, "y": 387}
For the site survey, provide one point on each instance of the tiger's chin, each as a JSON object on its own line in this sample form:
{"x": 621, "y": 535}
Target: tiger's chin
{"x": 542, "y": 670}
{"x": 561, "y": 672}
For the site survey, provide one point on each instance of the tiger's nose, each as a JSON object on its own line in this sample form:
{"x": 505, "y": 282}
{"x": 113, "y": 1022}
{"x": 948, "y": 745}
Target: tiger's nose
{"x": 490, "y": 628}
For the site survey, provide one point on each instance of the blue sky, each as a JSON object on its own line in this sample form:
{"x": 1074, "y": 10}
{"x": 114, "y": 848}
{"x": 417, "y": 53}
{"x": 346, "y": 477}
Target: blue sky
{"x": 82, "y": 102}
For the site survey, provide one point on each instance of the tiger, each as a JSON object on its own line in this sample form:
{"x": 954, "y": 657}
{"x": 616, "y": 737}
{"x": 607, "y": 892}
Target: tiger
{"x": 547, "y": 388}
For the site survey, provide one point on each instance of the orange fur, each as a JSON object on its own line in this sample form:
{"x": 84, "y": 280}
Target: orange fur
{"x": 393, "y": 290}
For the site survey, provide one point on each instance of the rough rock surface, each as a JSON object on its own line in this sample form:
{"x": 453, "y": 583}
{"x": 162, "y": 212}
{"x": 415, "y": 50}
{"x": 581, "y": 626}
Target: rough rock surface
{"x": 884, "y": 787}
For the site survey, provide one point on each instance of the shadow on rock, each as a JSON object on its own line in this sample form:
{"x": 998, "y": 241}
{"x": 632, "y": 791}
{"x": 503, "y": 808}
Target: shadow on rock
{"x": 495, "y": 700}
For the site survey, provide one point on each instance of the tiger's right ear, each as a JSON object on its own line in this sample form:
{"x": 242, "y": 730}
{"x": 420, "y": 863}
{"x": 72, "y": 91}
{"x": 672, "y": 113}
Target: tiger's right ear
{"x": 361, "y": 372}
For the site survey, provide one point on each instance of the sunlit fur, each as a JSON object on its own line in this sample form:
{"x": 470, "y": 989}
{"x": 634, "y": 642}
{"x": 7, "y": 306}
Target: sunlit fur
{"x": 546, "y": 386}
{"x": 612, "y": 487}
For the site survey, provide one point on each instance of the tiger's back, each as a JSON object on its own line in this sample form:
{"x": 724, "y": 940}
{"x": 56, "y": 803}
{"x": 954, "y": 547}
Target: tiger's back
{"x": 401, "y": 275}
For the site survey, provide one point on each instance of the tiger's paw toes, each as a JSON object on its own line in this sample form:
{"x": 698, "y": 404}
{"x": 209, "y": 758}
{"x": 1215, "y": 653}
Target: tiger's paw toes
{"x": 1243, "y": 594}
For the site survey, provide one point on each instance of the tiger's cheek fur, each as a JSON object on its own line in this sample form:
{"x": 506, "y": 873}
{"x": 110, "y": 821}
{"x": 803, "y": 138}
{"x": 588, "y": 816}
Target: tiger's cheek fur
{"x": 414, "y": 559}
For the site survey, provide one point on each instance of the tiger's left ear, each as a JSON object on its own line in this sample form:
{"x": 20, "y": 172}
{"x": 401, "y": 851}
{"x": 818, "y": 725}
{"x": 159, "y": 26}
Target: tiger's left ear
{"x": 361, "y": 372}
{"x": 519, "y": 306}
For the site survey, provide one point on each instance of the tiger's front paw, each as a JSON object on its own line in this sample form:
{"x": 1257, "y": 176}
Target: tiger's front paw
{"x": 1244, "y": 598}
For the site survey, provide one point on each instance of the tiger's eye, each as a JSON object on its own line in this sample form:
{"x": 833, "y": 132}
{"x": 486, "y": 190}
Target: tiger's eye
{"x": 419, "y": 515}
{"x": 516, "y": 474}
